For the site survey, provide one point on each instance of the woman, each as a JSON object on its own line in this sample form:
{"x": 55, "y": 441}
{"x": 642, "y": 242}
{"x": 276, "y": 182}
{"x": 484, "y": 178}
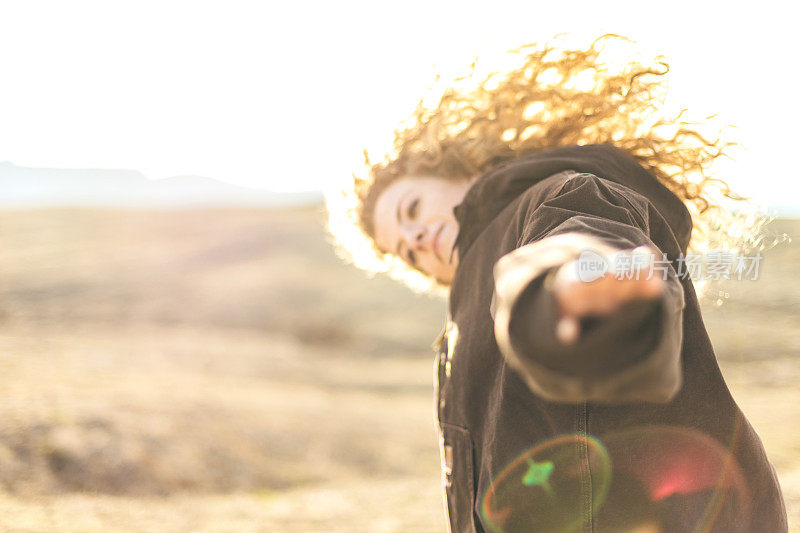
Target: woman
{"x": 569, "y": 397}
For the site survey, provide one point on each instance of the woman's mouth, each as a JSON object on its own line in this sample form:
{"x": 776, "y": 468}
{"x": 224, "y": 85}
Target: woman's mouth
{"x": 436, "y": 243}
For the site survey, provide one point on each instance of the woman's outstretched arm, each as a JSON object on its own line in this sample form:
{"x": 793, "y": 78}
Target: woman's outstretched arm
{"x": 628, "y": 345}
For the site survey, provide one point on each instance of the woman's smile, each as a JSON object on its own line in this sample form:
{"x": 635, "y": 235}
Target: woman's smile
{"x": 435, "y": 245}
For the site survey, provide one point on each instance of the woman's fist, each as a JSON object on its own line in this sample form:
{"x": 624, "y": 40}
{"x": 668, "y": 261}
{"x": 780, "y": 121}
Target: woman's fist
{"x": 577, "y": 298}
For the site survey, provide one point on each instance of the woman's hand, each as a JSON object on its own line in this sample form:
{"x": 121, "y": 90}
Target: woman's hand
{"x": 577, "y": 298}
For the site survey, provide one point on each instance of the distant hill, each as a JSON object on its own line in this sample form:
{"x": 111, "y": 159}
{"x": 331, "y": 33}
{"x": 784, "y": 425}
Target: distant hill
{"x": 26, "y": 187}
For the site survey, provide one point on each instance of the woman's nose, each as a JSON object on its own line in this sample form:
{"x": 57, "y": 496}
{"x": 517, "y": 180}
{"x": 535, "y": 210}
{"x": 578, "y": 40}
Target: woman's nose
{"x": 416, "y": 236}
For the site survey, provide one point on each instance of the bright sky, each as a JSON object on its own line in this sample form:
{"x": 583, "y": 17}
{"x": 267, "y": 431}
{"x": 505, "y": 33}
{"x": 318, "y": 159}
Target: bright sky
{"x": 284, "y": 95}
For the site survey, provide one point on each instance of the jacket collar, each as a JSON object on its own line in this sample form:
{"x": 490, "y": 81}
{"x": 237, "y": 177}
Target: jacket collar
{"x": 499, "y": 186}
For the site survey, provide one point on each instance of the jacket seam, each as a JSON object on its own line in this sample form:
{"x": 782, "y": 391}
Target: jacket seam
{"x": 581, "y": 421}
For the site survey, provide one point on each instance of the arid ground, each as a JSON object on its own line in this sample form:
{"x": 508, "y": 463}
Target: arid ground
{"x": 222, "y": 370}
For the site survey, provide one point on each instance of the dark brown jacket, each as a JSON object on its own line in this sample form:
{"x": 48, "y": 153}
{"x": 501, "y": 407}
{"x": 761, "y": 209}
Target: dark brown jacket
{"x": 633, "y": 425}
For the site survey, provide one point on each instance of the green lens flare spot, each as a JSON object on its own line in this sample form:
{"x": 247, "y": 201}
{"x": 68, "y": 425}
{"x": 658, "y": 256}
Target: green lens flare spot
{"x": 539, "y": 474}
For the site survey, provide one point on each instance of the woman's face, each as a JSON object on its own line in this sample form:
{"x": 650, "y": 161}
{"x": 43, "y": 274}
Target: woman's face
{"x": 414, "y": 220}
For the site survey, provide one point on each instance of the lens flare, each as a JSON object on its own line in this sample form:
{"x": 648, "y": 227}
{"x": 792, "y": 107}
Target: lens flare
{"x": 649, "y": 478}
{"x": 684, "y": 476}
{"x": 542, "y": 489}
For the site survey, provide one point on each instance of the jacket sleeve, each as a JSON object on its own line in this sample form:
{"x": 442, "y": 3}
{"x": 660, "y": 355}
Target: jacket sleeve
{"x": 631, "y": 355}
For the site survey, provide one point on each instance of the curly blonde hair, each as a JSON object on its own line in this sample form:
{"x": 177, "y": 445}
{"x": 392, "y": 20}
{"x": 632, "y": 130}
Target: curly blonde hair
{"x": 552, "y": 96}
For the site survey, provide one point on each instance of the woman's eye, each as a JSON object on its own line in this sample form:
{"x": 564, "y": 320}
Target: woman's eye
{"x": 412, "y": 258}
{"x": 412, "y": 209}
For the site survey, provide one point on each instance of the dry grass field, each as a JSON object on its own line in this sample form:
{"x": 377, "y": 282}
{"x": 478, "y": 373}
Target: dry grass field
{"x": 220, "y": 370}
